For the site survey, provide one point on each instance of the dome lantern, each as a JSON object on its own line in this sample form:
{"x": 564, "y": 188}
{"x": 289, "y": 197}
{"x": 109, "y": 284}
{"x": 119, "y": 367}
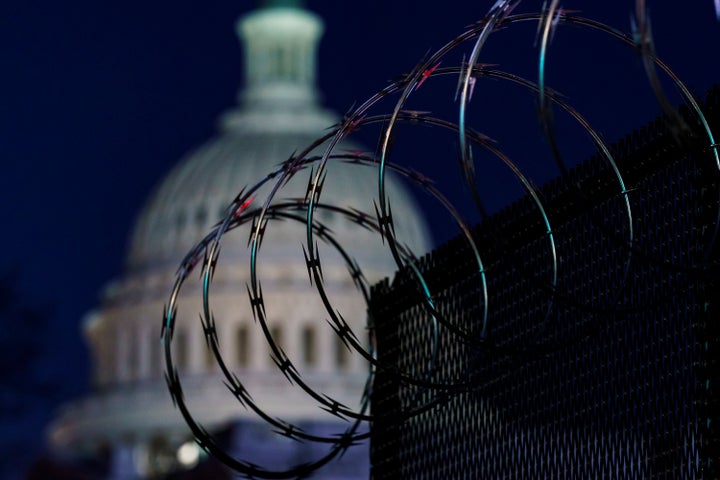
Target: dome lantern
{"x": 280, "y": 43}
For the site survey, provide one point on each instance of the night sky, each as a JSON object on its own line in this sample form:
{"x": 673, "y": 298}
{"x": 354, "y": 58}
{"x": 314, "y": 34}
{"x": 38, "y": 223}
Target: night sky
{"x": 100, "y": 99}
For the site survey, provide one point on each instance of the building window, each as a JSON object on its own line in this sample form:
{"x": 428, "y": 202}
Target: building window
{"x": 242, "y": 345}
{"x": 132, "y": 353}
{"x": 201, "y": 215}
{"x": 109, "y": 353}
{"x": 209, "y": 356}
{"x": 285, "y": 64}
{"x": 327, "y": 216}
{"x": 276, "y": 332}
{"x": 309, "y": 346}
{"x": 342, "y": 353}
{"x": 276, "y": 61}
{"x": 180, "y": 221}
{"x": 157, "y": 348}
{"x": 180, "y": 350}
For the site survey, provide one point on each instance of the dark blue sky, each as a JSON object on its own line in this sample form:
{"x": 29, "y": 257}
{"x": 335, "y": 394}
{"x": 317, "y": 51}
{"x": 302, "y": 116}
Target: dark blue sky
{"x": 98, "y": 100}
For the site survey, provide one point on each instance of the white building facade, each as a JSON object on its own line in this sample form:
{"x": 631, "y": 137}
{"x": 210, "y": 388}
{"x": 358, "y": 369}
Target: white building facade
{"x": 278, "y": 113}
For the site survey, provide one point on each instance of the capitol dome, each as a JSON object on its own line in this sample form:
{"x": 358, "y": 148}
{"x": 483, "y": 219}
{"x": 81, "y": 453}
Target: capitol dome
{"x": 278, "y": 114}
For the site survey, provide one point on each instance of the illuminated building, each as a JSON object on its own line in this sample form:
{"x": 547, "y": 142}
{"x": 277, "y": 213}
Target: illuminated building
{"x": 130, "y": 409}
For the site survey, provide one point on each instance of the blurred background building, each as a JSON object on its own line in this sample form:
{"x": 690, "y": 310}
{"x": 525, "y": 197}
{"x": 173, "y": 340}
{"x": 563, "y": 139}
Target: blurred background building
{"x": 130, "y": 418}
